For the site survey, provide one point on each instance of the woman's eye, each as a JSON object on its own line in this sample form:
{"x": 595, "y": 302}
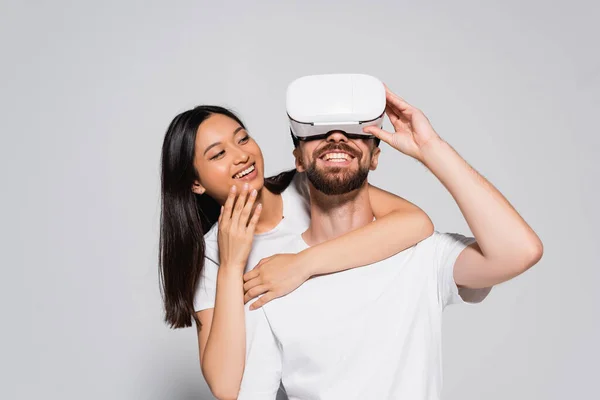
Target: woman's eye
{"x": 218, "y": 155}
{"x": 244, "y": 139}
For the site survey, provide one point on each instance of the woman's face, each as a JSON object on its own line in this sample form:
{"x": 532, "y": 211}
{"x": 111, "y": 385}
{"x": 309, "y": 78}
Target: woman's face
{"x": 226, "y": 155}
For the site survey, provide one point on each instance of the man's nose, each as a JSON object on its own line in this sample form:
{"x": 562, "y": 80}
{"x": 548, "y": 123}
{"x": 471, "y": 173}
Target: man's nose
{"x": 336, "y": 137}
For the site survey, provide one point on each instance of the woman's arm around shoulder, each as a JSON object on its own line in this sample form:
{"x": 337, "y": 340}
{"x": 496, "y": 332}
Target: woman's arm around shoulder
{"x": 398, "y": 225}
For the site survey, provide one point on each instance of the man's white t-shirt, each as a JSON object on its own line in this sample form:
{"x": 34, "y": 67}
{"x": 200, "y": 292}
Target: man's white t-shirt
{"x": 337, "y": 315}
{"x": 372, "y": 332}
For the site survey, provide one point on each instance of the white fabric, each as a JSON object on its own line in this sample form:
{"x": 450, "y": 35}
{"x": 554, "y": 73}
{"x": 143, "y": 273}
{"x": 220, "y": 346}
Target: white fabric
{"x": 372, "y": 332}
{"x": 296, "y": 211}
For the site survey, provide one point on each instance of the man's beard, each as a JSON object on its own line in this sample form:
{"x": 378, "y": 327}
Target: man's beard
{"x": 336, "y": 180}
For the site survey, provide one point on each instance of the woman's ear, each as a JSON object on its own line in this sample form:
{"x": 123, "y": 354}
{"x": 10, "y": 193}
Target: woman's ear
{"x": 198, "y": 188}
{"x": 298, "y": 157}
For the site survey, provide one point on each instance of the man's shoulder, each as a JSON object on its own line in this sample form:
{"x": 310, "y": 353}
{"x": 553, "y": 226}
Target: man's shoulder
{"x": 441, "y": 237}
{"x": 440, "y": 243}
{"x": 424, "y": 246}
{"x": 452, "y": 238}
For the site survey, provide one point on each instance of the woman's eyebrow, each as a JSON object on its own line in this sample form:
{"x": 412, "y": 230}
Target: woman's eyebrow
{"x": 239, "y": 128}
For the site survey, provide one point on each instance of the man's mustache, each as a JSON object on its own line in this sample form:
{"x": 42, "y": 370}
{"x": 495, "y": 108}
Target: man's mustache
{"x": 340, "y": 147}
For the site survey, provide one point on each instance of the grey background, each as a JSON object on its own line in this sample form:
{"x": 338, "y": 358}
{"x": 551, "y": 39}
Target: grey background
{"x": 88, "y": 89}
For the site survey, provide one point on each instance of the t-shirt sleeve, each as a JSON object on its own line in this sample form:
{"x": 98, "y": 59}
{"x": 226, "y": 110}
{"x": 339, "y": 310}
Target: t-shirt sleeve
{"x": 448, "y": 247}
{"x": 262, "y": 373}
{"x": 206, "y": 290}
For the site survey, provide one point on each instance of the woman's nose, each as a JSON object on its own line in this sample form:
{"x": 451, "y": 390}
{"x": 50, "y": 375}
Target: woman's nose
{"x": 241, "y": 157}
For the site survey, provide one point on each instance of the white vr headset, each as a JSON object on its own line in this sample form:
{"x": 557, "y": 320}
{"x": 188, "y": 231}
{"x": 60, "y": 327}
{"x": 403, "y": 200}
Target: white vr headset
{"x": 318, "y": 105}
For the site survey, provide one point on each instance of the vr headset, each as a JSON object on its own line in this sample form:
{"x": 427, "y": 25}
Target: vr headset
{"x": 318, "y": 105}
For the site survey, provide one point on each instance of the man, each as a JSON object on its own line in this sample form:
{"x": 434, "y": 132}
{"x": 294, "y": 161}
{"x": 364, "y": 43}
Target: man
{"x": 375, "y": 333}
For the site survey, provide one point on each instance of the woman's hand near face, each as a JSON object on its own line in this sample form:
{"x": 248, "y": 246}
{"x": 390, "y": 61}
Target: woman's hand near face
{"x": 222, "y": 334}
{"x": 237, "y": 223}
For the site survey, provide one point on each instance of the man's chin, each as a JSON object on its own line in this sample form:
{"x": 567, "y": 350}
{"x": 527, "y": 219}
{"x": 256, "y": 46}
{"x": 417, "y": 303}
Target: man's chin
{"x": 336, "y": 184}
{"x": 336, "y": 170}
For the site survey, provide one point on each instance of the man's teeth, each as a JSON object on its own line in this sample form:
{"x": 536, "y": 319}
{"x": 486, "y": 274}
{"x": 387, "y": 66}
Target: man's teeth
{"x": 244, "y": 172}
{"x": 336, "y": 157}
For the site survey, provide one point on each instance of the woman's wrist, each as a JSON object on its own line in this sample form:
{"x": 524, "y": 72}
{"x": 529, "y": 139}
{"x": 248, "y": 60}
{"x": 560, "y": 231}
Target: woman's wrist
{"x": 308, "y": 263}
{"x": 230, "y": 271}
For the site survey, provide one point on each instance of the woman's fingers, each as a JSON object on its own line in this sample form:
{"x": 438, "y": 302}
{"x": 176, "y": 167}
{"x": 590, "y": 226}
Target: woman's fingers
{"x": 254, "y": 220}
{"x": 254, "y": 292}
{"x": 264, "y": 299}
{"x": 228, "y": 206}
{"x": 252, "y": 283}
{"x": 239, "y": 206}
{"x": 253, "y": 273}
{"x": 247, "y": 210}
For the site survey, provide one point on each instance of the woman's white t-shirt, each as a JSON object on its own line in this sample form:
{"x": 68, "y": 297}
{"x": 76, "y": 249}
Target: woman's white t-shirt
{"x": 296, "y": 212}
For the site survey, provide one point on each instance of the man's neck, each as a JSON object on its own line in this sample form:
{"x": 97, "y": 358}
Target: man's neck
{"x": 335, "y": 215}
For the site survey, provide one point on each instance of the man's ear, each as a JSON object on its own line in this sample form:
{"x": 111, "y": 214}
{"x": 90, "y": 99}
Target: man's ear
{"x": 298, "y": 157}
{"x": 375, "y": 158}
{"x": 198, "y": 188}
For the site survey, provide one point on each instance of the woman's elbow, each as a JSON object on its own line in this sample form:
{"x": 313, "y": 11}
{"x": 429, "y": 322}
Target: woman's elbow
{"x": 223, "y": 392}
{"x": 224, "y": 395}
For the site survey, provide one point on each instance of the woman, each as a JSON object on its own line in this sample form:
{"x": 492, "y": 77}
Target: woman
{"x": 208, "y": 158}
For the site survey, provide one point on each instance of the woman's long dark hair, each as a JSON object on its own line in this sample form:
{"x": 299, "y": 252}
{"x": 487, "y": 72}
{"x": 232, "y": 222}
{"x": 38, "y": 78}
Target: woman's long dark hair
{"x": 185, "y": 216}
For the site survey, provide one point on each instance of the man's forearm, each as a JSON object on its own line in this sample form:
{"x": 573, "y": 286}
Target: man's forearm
{"x": 500, "y": 231}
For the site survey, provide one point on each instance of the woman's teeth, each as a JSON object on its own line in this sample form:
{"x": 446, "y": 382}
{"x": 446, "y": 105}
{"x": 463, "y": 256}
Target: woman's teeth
{"x": 244, "y": 172}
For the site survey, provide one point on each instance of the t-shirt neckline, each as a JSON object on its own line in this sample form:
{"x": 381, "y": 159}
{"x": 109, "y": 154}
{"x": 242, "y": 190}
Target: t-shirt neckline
{"x": 281, "y": 223}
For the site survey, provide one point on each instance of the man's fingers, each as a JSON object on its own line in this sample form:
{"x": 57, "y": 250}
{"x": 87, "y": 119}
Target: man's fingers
{"x": 392, "y": 114}
{"x": 399, "y": 106}
{"x": 262, "y": 301}
{"x": 379, "y": 133}
{"x": 396, "y": 100}
{"x": 399, "y": 121}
